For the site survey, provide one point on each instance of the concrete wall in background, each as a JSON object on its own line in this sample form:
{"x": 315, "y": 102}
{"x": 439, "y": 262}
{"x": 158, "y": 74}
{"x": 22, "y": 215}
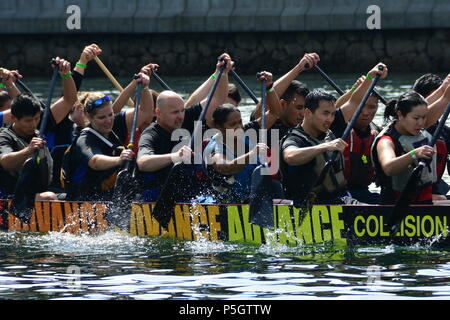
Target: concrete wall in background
{"x": 173, "y": 16}
{"x": 424, "y": 50}
{"x": 188, "y": 35}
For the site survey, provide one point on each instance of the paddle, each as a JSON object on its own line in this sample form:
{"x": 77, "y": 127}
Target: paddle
{"x": 163, "y": 210}
{"x": 125, "y": 187}
{"x": 111, "y": 77}
{"x": 261, "y": 194}
{"x": 161, "y": 82}
{"x": 402, "y": 204}
{"x": 33, "y": 176}
{"x": 28, "y": 90}
{"x": 336, "y": 87}
{"x": 244, "y": 86}
{"x": 310, "y": 196}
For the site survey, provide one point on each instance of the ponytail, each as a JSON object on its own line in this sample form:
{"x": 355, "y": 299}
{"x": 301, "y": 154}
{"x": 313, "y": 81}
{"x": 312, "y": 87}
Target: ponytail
{"x": 405, "y": 103}
{"x": 390, "y": 111}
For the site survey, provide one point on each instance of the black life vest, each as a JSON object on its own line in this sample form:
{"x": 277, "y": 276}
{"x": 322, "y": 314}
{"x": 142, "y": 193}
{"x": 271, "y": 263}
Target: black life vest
{"x": 297, "y": 181}
{"x": 44, "y": 153}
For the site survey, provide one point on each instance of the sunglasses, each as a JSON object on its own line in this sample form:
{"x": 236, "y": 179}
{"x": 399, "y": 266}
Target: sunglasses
{"x": 97, "y": 103}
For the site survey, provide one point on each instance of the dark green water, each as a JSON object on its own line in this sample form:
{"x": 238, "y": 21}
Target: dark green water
{"x": 115, "y": 266}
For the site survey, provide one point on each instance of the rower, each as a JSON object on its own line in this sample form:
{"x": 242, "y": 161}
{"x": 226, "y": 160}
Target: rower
{"x": 156, "y": 154}
{"x": 308, "y": 146}
{"x": 431, "y": 86}
{"x": 358, "y": 167}
{"x": 292, "y": 95}
{"x": 19, "y": 141}
{"x": 8, "y": 91}
{"x": 403, "y": 143}
{"x": 5, "y": 101}
{"x": 61, "y": 135}
{"x": 233, "y": 96}
{"x": 99, "y": 152}
{"x": 229, "y": 166}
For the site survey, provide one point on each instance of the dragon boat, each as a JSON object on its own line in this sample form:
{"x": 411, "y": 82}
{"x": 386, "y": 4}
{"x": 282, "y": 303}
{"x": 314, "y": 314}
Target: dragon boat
{"x": 336, "y": 224}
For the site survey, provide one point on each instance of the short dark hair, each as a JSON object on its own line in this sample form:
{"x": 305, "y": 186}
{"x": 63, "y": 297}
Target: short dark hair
{"x": 4, "y": 97}
{"x": 233, "y": 93}
{"x": 25, "y": 105}
{"x": 405, "y": 103}
{"x": 313, "y": 99}
{"x": 427, "y": 83}
{"x": 295, "y": 87}
{"x": 221, "y": 113}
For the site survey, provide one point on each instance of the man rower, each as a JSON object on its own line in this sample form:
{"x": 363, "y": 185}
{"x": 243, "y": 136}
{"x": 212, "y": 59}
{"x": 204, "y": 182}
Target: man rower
{"x": 308, "y": 146}
{"x": 156, "y": 153}
{"x": 19, "y": 141}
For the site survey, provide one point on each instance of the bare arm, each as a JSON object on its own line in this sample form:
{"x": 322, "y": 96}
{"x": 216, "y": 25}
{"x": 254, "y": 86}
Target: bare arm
{"x": 14, "y": 160}
{"x": 393, "y": 165}
{"x": 436, "y": 109}
{"x": 349, "y": 108}
{"x": 283, "y": 82}
{"x": 61, "y": 108}
{"x": 145, "y": 111}
{"x": 273, "y": 102}
{"x": 155, "y": 162}
{"x": 221, "y": 93}
{"x": 8, "y": 79}
{"x": 224, "y": 166}
{"x": 297, "y": 156}
{"x": 89, "y": 53}
{"x": 102, "y": 162}
{"x": 432, "y": 98}
{"x": 346, "y": 96}
{"x": 152, "y": 163}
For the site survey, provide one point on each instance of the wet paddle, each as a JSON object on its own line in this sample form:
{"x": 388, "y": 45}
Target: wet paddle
{"x": 401, "y": 206}
{"x": 180, "y": 173}
{"x": 33, "y": 176}
{"x": 125, "y": 187}
{"x": 338, "y": 89}
{"x": 261, "y": 192}
{"x": 310, "y": 196}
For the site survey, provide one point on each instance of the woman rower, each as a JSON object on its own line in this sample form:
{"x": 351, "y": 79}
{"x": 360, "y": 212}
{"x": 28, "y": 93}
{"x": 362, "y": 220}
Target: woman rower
{"x": 230, "y": 167}
{"x": 403, "y": 143}
{"x": 99, "y": 150}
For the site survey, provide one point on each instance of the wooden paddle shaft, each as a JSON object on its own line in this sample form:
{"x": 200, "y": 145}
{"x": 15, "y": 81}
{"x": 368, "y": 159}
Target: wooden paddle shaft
{"x": 111, "y": 78}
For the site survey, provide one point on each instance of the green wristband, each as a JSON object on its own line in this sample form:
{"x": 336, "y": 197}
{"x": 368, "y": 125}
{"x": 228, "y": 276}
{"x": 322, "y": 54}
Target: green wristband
{"x": 368, "y": 76}
{"x": 79, "y": 64}
{"x": 65, "y": 76}
{"x": 213, "y": 76}
{"x": 413, "y": 154}
{"x": 353, "y": 88}
{"x": 2, "y": 85}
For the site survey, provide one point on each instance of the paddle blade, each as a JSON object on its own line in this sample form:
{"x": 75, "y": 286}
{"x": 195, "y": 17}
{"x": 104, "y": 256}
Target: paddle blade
{"x": 28, "y": 184}
{"x": 402, "y": 203}
{"x": 176, "y": 187}
{"x": 261, "y": 199}
{"x": 125, "y": 189}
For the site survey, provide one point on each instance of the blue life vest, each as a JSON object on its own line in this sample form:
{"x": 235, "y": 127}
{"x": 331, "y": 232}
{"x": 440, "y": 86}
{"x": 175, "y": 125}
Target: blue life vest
{"x": 232, "y": 187}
